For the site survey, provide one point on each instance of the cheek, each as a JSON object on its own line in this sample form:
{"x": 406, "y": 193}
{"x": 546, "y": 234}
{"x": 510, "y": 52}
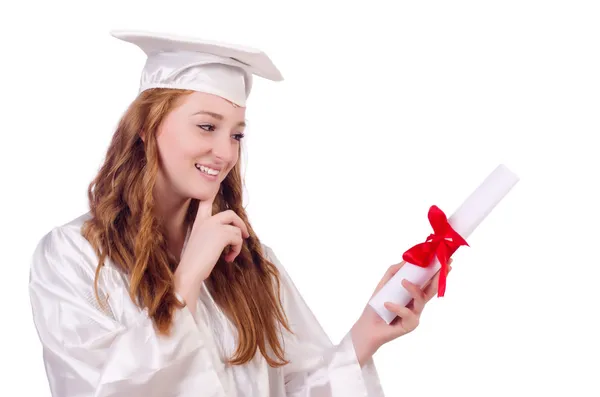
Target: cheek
{"x": 234, "y": 161}
{"x": 178, "y": 145}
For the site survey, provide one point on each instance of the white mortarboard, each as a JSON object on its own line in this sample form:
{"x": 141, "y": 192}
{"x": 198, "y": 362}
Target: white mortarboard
{"x": 206, "y": 66}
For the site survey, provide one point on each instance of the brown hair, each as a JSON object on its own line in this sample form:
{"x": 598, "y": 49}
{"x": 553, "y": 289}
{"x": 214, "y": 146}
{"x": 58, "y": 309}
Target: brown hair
{"x": 124, "y": 228}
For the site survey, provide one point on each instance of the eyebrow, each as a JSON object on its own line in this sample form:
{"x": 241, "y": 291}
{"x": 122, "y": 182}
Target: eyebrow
{"x": 217, "y": 116}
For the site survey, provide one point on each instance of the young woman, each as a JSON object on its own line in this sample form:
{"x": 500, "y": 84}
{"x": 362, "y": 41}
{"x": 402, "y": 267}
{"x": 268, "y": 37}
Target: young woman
{"x": 163, "y": 288}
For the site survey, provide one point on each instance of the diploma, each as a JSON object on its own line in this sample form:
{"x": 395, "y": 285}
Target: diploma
{"x": 424, "y": 260}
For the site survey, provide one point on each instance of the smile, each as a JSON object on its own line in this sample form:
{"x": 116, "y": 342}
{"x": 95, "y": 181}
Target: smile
{"x": 207, "y": 170}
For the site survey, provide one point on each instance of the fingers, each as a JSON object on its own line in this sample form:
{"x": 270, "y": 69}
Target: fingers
{"x": 410, "y": 319}
{"x": 432, "y": 288}
{"x": 230, "y": 217}
{"x": 391, "y": 271}
{"x": 235, "y": 242}
{"x": 418, "y": 295}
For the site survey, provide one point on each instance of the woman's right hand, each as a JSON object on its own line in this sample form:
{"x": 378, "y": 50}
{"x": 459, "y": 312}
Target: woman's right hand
{"x": 209, "y": 236}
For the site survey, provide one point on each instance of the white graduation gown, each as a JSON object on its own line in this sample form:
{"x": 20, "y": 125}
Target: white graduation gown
{"x": 90, "y": 351}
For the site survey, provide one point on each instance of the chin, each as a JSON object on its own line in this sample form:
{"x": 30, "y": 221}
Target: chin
{"x": 202, "y": 194}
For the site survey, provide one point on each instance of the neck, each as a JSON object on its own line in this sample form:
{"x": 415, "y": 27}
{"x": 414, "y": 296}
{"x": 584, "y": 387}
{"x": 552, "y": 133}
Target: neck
{"x": 172, "y": 211}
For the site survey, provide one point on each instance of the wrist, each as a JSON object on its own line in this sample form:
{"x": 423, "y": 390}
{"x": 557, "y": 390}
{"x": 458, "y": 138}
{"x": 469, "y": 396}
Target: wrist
{"x": 363, "y": 345}
{"x": 186, "y": 290}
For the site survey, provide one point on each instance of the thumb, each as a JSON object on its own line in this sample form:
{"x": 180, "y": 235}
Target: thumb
{"x": 391, "y": 271}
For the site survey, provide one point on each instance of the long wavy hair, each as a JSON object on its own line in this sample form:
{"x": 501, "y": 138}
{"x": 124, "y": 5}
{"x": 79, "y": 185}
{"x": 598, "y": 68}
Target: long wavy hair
{"x": 124, "y": 227}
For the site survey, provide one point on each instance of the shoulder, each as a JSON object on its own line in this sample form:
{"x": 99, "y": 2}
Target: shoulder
{"x": 269, "y": 255}
{"x": 67, "y": 234}
{"x": 63, "y": 255}
{"x": 267, "y": 251}
{"x": 285, "y": 280}
{"x": 301, "y": 318}
{"x": 61, "y": 283}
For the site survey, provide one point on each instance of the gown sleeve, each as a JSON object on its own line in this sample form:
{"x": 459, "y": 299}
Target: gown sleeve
{"x": 88, "y": 352}
{"x": 317, "y": 367}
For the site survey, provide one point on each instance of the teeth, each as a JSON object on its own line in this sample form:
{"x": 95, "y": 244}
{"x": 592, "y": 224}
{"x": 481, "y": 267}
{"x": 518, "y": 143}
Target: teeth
{"x": 207, "y": 170}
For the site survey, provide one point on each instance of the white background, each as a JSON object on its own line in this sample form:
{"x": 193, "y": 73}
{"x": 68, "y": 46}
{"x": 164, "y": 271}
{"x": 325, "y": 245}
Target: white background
{"x": 387, "y": 108}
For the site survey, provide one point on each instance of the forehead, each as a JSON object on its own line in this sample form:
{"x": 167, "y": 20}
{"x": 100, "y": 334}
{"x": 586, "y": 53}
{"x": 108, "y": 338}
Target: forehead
{"x": 199, "y": 101}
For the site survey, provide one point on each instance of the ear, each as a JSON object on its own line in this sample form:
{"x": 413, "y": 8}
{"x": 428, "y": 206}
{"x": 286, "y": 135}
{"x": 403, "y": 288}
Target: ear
{"x": 142, "y": 135}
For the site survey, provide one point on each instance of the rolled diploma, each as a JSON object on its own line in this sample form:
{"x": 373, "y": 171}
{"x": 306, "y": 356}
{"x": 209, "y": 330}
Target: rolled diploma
{"x": 464, "y": 221}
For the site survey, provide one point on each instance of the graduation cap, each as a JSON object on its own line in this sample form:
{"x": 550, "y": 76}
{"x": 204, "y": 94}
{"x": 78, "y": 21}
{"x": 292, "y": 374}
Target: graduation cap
{"x": 206, "y": 66}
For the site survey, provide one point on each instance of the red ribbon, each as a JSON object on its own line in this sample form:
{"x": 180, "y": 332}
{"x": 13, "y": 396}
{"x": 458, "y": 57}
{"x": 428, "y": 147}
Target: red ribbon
{"x": 443, "y": 242}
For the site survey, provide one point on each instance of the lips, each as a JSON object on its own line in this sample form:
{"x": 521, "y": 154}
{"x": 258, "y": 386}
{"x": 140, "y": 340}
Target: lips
{"x": 207, "y": 170}
{"x": 205, "y": 175}
{"x": 212, "y": 166}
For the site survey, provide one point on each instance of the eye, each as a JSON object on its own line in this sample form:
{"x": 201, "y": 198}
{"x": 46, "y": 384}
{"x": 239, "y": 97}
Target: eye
{"x": 207, "y": 127}
{"x": 239, "y": 136}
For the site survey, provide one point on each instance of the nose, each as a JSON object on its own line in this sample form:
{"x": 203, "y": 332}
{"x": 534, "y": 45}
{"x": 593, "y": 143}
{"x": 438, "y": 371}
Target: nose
{"x": 224, "y": 147}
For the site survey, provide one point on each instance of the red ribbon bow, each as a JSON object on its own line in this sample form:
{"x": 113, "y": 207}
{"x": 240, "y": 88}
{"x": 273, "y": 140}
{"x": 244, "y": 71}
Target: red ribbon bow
{"x": 443, "y": 242}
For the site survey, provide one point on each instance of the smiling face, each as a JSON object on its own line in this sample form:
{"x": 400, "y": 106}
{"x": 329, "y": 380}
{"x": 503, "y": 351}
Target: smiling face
{"x": 198, "y": 144}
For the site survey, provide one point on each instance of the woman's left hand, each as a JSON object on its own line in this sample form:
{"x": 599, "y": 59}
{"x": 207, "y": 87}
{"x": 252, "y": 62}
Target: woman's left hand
{"x": 370, "y": 331}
